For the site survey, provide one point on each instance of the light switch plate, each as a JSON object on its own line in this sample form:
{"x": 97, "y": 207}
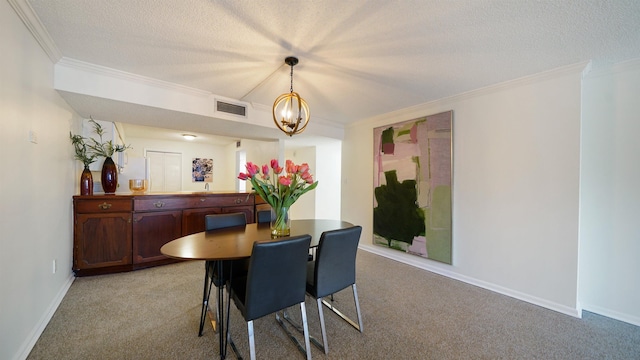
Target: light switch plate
{"x": 33, "y": 136}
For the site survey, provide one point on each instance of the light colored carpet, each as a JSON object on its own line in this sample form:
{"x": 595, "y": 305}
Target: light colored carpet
{"x": 408, "y": 313}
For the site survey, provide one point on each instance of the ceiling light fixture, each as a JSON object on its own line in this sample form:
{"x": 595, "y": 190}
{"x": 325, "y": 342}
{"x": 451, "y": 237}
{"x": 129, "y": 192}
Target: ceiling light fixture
{"x": 290, "y": 111}
{"x": 188, "y": 136}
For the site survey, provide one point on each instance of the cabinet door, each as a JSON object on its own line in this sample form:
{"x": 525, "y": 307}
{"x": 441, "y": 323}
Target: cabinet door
{"x": 247, "y": 210}
{"x": 152, "y": 230}
{"x": 102, "y": 240}
{"x": 193, "y": 219}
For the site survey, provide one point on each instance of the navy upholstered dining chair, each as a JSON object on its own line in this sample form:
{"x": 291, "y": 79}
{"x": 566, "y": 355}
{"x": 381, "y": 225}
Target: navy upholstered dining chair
{"x": 275, "y": 281}
{"x": 263, "y": 216}
{"x": 334, "y": 269}
{"x": 212, "y": 278}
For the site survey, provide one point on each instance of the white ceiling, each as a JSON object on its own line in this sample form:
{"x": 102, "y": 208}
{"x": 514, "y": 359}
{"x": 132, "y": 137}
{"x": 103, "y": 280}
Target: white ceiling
{"x": 358, "y": 58}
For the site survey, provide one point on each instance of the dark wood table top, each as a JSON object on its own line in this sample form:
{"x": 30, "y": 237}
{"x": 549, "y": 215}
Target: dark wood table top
{"x": 237, "y": 242}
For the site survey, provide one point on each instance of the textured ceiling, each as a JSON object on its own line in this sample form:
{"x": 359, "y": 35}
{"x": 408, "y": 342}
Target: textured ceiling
{"x": 358, "y": 58}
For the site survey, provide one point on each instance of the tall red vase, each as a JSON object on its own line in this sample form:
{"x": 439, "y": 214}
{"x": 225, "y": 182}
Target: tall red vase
{"x": 86, "y": 181}
{"x": 109, "y": 176}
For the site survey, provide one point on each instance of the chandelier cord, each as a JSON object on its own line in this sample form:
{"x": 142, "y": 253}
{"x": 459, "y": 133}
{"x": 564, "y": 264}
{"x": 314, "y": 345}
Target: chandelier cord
{"x": 291, "y": 79}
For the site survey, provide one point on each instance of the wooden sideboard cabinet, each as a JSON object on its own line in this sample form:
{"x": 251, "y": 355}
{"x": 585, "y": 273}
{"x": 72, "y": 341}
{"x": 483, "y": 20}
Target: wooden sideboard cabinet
{"x": 193, "y": 218}
{"x": 102, "y": 233}
{"x": 151, "y": 230}
{"x": 115, "y": 233}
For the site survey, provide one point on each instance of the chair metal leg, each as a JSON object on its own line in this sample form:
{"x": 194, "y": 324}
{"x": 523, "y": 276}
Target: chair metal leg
{"x": 343, "y": 316}
{"x": 305, "y": 327}
{"x": 325, "y": 343}
{"x": 320, "y": 301}
{"x": 300, "y": 329}
{"x": 252, "y": 343}
{"x": 355, "y": 298}
{"x": 304, "y": 330}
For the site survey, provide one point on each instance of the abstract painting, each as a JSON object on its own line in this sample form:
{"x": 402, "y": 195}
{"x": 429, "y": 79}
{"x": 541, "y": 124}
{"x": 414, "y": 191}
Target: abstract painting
{"x": 202, "y": 170}
{"x": 412, "y": 186}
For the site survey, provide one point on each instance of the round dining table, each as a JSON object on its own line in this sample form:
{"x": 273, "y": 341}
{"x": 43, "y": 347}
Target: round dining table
{"x": 235, "y": 243}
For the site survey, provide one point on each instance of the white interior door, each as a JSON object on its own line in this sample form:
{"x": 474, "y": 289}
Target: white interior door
{"x": 172, "y": 171}
{"x": 164, "y": 171}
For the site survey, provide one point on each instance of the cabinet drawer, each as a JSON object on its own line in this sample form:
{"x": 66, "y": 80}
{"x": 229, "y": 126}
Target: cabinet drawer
{"x": 235, "y": 200}
{"x": 159, "y": 204}
{"x": 191, "y": 202}
{"x": 208, "y": 201}
{"x": 102, "y": 205}
{"x": 221, "y": 201}
{"x": 196, "y": 202}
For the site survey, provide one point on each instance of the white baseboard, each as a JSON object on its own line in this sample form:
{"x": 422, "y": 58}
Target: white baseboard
{"x": 420, "y": 263}
{"x": 33, "y": 337}
{"x": 634, "y": 320}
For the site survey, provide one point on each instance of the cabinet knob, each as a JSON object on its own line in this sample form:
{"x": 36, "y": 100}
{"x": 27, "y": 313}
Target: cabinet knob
{"x": 158, "y": 204}
{"x": 104, "y": 206}
{"x": 238, "y": 201}
{"x": 203, "y": 200}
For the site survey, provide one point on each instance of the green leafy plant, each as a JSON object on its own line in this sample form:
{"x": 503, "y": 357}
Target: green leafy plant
{"x": 82, "y": 153}
{"x": 103, "y": 148}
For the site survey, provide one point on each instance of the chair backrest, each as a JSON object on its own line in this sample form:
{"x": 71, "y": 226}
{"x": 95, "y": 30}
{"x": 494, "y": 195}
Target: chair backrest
{"x": 277, "y": 276}
{"x": 264, "y": 216}
{"x": 335, "y": 264}
{"x": 220, "y": 221}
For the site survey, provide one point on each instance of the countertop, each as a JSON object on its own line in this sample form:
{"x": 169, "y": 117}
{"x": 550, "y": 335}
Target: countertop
{"x": 161, "y": 194}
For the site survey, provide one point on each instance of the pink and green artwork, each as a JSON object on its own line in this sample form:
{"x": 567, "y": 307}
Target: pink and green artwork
{"x": 412, "y": 186}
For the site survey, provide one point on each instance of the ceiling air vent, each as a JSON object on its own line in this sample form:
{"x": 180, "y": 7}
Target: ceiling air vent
{"x": 229, "y": 108}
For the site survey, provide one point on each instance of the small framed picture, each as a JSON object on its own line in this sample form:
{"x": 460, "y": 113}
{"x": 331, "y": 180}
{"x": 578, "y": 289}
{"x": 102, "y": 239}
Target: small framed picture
{"x": 202, "y": 170}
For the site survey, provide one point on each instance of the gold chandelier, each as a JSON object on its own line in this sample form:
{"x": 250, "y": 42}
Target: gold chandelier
{"x": 290, "y": 111}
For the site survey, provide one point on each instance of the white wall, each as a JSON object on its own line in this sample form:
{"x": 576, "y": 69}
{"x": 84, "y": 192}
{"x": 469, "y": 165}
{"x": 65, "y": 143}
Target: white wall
{"x": 261, "y": 152}
{"x": 515, "y": 186}
{"x": 610, "y": 194}
{"x": 37, "y": 182}
{"x": 305, "y": 207}
{"x": 328, "y": 172}
{"x": 223, "y": 161}
{"x": 515, "y": 189}
{"x": 324, "y": 162}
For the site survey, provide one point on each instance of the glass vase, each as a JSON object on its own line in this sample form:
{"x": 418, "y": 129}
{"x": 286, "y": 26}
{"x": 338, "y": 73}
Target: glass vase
{"x": 280, "y": 222}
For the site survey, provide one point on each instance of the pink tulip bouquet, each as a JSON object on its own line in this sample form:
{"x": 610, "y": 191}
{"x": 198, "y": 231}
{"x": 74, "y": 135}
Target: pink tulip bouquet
{"x": 280, "y": 188}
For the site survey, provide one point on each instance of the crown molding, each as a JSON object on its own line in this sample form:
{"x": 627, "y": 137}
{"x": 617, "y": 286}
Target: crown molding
{"x": 123, "y": 75}
{"x": 581, "y": 68}
{"x": 615, "y": 69}
{"x": 33, "y": 23}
